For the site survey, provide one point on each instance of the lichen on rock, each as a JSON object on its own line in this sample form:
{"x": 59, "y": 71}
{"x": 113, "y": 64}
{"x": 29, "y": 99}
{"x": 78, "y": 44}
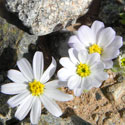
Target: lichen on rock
{"x": 15, "y": 38}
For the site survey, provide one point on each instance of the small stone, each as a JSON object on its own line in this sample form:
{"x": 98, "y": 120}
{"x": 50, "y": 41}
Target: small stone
{"x": 123, "y": 114}
{"x": 98, "y": 96}
{"x": 123, "y": 98}
{"x": 95, "y": 117}
{"x": 78, "y": 121}
{"x": 120, "y": 78}
{"x": 108, "y": 122}
{"x": 115, "y": 91}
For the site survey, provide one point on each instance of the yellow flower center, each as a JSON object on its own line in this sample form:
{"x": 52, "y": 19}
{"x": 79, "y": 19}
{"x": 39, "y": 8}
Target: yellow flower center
{"x": 95, "y": 49}
{"x": 83, "y": 70}
{"x": 36, "y": 88}
{"x": 123, "y": 61}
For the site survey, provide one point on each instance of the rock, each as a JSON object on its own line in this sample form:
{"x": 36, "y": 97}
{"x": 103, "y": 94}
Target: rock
{"x": 49, "y": 119}
{"x": 52, "y": 120}
{"x": 4, "y": 109}
{"x": 123, "y": 98}
{"x": 98, "y": 96}
{"x": 24, "y": 43}
{"x": 46, "y": 16}
{"x": 120, "y": 77}
{"x": 56, "y": 44}
{"x": 110, "y": 10}
{"x": 9, "y": 35}
{"x": 115, "y": 92}
{"x": 95, "y": 117}
{"x": 78, "y": 121}
{"x": 13, "y": 39}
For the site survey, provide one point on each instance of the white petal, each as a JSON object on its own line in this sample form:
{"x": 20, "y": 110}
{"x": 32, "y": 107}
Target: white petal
{"x": 57, "y": 95}
{"x": 78, "y": 91}
{"x": 64, "y": 74}
{"x": 105, "y": 37}
{"x": 24, "y": 108}
{"x": 108, "y": 64}
{"x": 25, "y": 68}
{"x": 16, "y": 76}
{"x": 51, "y": 106}
{"x": 49, "y": 72}
{"x": 73, "y": 54}
{"x": 112, "y": 51}
{"x": 96, "y": 79}
{"x": 98, "y": 66}
{"x": 35, "y": 111}
{"x": 91, "y": 82}
{"x": 54, "y": 84}
{"x": 83, "y": 56}
{"x": 86, "y": 35}
{"x": 97, "y": 26}
{"x": 66, "y": 62}
{"x": 100, "y": 76}
{"x": 93, "y": 58}
{"x": 13, "y": 88}
{"x": 75, "y": 43}
{"x": 109, "y": 54}
{"x": 116, "y": 43}
{"x": 38, "y": 65}
{"x": 17, "y": 99}
{"x": 74, "y": 81}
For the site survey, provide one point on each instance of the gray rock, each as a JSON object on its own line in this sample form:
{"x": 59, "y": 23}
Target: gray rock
{"x": 56, "y": 43}
{"x": 49, "y": 119}
{"x": 110, "y": 10}
{"x": 115, "y": 92}
{"x": 13, "y": 38}
{"x": 6, "y": 113}
{"x": 24, "y": 43}
{"x": 46, "y": 16}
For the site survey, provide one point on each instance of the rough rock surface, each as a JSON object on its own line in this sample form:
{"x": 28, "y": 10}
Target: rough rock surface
{"x": 49, "y": 119}
{"x": 14, "y": 38}
{"x": 96, "y": 106}
{"x": 46, "y": 16}
{"x": 110, "y": 10}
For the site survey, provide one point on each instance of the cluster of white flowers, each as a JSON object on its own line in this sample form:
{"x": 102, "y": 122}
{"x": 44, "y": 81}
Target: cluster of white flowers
{"x": 82, "y": 71}
{"x": 92, "y": 50}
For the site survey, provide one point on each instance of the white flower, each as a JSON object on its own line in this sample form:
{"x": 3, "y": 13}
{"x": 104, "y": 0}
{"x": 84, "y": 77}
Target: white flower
{"x": 32, "y": 89}
{"x": 122, "y": 61}
{"x": 98, "y": 39}
{"x": 82, "y": 71}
